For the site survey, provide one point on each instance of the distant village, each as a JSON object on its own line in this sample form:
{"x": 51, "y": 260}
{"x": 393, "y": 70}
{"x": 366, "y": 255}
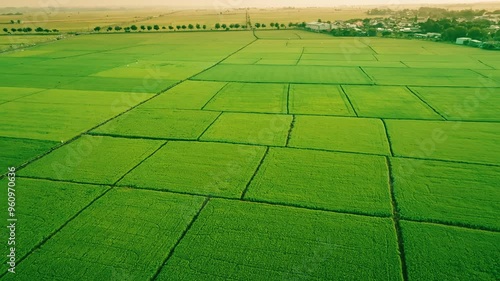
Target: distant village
{"x": 482, "y": 31}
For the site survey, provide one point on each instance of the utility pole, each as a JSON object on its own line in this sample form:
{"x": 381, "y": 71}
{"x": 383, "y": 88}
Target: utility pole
{"x": 248, "y": 21}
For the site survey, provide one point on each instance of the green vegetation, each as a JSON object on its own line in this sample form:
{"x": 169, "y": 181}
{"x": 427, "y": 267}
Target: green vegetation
{"x": 293, "y": 243}
{"x": 437, "y": 252}
{"x": 200, "y": 168}
{"x": 263, "y": 129}
{"x": 248, "y": 97}
{"x": 17, "y": 151}
{"x": 462, "y": 194}
{"x": 48, "y": 206}
{"x": 336, "y": 133}
{"x": 89, "y": 159}
{"x": 388, "y": 102}
{"x": 160, "y": 123}
{"x": 446, "y": 140}
{"x": 323, "y": 180}
{"x": 125, "y": 234}
{"x": 318, "y": 99}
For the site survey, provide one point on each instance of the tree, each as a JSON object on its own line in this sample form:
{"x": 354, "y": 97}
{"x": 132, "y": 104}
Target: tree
{"x": 372, "y": 32}
{"x": 55, "y": 30}
{"x": 257, "y": 25}
{"x": 20, "y": 29}
{"x": 178, "y": 27}
{"x": 290, "y": 24}
{"x": 282, "y": 25}
{"x": 184, "y": 26}
{"x": 272, "y": 24}
{"x": 118, "y": 28}
{"x": 236, "y": 25}
{"x": 224, "y": 25}
{"x": 319, "y": 20}
{"x": 163, "y": 27}
{"x": 134, "y": 27}
{"x": 217, "y": 25}
{"x": 6, "y": 30}
{"x": 263, "y": 25}
{"x": 39, "y": 29}
{"x": 198, "y": 26}
{"x": 127, "y": 29}
{"x": 12, "y": 21}
{"x": 386, "y": 33}
{"x": 204, "y": 26}
{"x": 497, "y": 35}
{"x": 97, "y": 29}
{"x": 156, "y": 27}
{"x": 13, "y": 30}
{"x": 19, "y": 21}
{"x": 190, "y": 26}
{"x": 109, "y": 29}
{"x": 150, "y": 27}
{"x": 277, "y": 25}
{"x": 170, "y": 27}
{"x": 476, "y": 33}
{"x": 231, "y": 25}
{"x": 143, "y": 27}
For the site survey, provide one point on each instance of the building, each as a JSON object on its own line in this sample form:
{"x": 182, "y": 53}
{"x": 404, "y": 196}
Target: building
{"x": 463, "y": 40}
{"x": 319, "y": 26}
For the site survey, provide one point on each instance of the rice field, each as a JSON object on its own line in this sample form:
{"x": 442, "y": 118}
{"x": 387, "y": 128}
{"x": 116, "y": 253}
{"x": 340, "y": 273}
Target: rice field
{"x": 279, "y": 155}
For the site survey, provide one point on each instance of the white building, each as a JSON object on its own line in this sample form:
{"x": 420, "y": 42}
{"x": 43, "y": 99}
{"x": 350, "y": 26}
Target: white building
{"x": 462, "y": 40}
{"x": 319, "y": 26}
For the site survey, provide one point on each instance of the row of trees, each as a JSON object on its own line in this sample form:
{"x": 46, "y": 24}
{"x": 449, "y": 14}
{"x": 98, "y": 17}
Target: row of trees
{"x": 451, "y": 29}
{"x": 29, "y": 30}
{"x": 150, "y": 27}
{"x": 16, "y": 21}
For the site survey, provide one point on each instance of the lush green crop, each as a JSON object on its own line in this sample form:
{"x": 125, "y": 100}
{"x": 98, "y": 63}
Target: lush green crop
{"x": 319, "y": 100}
{"x": 200, "y": 168}
{"x": 42, "y": 207}
{"x": 325, "y": 180}
{"x": 388, "y": 102}
{"x": 248, "y": 97}
{"x": 285, "y": 74}
{"x": 340, "y": 134}
{"x": 17, "y": 151}
{"x": 475, "y": 104}
{"x": 126, "y": 234}
{"x": 437, "y": 252}
{"x": 463, "y": 194}
{"x": 187, "y": 95}
{"x": 264, "y": 129}
{"x": 8, "y": 94}
{"x": 92, "y": 159}
{"x": 459, "y": 141}
{"x": 249, "y": 241}
{"x": 160, "y": 123}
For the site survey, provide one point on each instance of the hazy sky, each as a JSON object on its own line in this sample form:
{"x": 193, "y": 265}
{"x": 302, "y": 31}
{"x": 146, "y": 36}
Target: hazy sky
{"x": 217, "y": 3}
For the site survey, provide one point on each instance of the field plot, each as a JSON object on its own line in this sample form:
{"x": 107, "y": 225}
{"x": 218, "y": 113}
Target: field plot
{"x": 160, "y": 123}
{"x": 263, "y": 129}
{"x": 89, "y": 159}
{"x": 473, "y": 142}
{"x": 199, "y": 168}
{"x": 474, "y": 104}
{"x": 318, "y": 100}
{"x": 336, "y": 133}
{"x": 323, "y": 180}
{"x": 428, "y": 76}
{"x": 285, "y": 74}
{"x": 55, "y": 122}
{"x": 462, "y": 194}
{"x": 187, "y": 95}
{"x": 48, "y": 206}
{"x": 388, "y": 102}
{"x": 17, "y": 151}
{"x": 248, "y": 97}
{"x": 9, "y": 94}
{"x": 436, "y": 252}
{"x": 125, "y": 234}
{"x": 281, "y": 243}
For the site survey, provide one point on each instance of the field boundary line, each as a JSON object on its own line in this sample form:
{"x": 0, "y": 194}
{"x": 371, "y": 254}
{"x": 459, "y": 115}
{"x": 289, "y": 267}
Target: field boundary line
{"x": 183, "y": 234}
{"x": 39, "y": 245}
{"x": 486, "y": 64}
{"x": 213, "y": 97}
{"x": 388, "y": 137}
{"x": 140, "y": 162}
{"x": 482, "y": 75}
{"x": 288, "y": 99}
{"x": 298, "y": 35}
{"x": 208, "y": 127}
{"x": 343, "y": 92}
{"x": 403, "y": 63}
{"x": 396, "y": 219}
{"x": 300, "y": 57}
{"x": 289, "y": 136}
{"x": 454, "y": 224}
{"x": 367, "y": 75}
{"x": 254, "y": 174}
{"x": 426, "y": 103}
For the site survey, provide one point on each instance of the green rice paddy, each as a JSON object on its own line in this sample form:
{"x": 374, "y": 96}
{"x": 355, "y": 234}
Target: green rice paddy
{"x": 279, "y": 155}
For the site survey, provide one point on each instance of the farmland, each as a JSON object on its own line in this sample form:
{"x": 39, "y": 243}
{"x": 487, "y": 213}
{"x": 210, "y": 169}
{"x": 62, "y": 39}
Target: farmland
{"x": 274, "y": 155}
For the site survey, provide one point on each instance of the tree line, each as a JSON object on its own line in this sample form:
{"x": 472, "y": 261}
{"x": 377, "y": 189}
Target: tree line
{"x": 29, "y": 30}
